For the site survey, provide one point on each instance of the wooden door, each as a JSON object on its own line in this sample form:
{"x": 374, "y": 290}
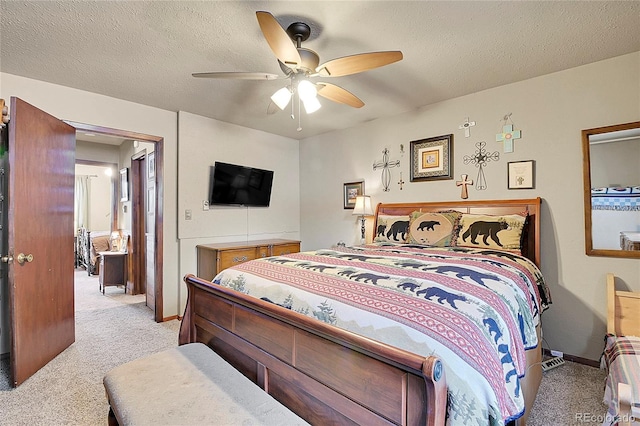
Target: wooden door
{"x": 41, "y": 153}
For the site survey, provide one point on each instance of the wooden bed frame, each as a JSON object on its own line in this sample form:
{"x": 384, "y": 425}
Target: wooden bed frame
{"x": 623, "y": 319}
{"x": 330, "y": 376}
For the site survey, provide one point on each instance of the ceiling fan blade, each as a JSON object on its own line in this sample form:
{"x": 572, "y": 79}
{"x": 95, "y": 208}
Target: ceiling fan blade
{"x": 278, "y": 39}
{"x": 237, "y": 75}
{"x": 338, "y": 94}
{"x": 357, "y": 63}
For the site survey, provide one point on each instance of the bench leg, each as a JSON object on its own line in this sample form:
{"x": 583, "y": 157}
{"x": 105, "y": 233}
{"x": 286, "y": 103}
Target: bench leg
{"x": 111, "y": 419}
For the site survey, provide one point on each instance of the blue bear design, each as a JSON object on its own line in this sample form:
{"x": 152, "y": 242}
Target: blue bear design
{"x": 366, "y": 277}
{"x": 493, "y": 328}
{"x": 441, "y": 295}
{"x": 461, "y": 273}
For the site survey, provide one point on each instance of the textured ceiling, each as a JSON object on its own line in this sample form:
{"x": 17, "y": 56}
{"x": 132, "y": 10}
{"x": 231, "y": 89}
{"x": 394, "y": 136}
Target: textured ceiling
{"x": 145, "y": 51}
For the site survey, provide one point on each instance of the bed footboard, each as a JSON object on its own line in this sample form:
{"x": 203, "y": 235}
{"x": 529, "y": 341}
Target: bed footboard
{"x": 323, "y": 374}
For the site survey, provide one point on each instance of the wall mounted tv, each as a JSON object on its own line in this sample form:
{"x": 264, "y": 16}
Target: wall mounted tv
{"x": 239, "y": 185}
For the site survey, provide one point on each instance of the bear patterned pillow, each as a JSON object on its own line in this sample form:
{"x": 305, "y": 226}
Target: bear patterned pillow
{"x": 495, "y": 232}
{"x": 392, "y": 228}
{"x": 433, "y": 228}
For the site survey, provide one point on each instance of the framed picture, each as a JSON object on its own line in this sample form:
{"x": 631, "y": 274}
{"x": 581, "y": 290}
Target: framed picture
{"x": 351, "y": 191}
{"x": 431, "y": 158}
{"x": 151, "y": 165}
{"x": 124, "y": 184}
{"x": 520, "y": 175}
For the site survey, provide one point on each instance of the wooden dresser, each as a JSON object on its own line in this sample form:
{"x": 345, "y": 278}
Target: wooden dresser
{"x": 213, "y": 258}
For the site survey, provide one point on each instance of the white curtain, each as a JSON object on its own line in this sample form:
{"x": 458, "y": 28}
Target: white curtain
{"x": 81, "y": 202}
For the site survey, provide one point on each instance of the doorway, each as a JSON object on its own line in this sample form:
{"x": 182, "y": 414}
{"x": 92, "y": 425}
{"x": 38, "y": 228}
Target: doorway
{"x": 146, "y": 258}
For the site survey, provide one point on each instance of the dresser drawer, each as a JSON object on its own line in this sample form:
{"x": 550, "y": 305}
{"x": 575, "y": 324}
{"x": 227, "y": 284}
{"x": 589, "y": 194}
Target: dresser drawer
{"x": 281, "y": 249}
{"x": 263, "y": 251}
{"x": 230, "y": 258}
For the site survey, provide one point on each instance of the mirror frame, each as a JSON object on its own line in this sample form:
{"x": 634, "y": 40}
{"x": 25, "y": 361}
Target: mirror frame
{"x": 586, "y": 166}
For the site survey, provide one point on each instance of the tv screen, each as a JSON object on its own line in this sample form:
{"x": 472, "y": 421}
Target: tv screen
{"x": 239, "y": 185}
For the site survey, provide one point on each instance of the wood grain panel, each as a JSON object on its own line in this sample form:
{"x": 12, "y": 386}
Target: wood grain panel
{"x": 229, "y": 258}
{"x": 623, "y": 312}
{"x": 374, "y": 384}
{"x": 214, "y": 310}
{"x": 279, "y": 250}
{"x": 274, "y": 337}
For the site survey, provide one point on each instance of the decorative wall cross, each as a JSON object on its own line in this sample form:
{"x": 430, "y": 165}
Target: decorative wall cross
{"x": 463, "y": 183}
{"x": 507, "y": 136}
{"x": 385, "y": 165}
{"x": 400, "y": 182}
{"x": 467, "y": 125}
{"x": 480, "y": 159}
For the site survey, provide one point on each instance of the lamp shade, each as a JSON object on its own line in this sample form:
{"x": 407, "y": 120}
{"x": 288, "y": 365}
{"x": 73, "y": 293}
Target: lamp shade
{"x": 282, "y": 97}
{"x": 311, "y": 104}
{"x": 307, "y": 90}
{"x": 363, "y": 206}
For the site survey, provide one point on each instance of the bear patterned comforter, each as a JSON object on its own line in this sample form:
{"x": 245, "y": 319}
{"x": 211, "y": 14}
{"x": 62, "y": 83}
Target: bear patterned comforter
{"x": 477, "y": 309}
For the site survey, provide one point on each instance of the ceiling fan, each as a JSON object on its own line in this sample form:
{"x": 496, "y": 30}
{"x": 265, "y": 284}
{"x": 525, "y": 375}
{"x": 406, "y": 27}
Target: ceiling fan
{"x": 299, "y": 64}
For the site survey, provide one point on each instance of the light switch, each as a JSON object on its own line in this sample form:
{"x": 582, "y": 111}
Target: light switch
{"x": 187, "y": 214}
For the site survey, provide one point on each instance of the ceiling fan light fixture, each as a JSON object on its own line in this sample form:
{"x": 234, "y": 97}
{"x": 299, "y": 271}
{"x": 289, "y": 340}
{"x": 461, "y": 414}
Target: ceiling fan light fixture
{"x": 311, "y": 104}
{"x": 282, "y": 97}
{"x": 307, "y": 90}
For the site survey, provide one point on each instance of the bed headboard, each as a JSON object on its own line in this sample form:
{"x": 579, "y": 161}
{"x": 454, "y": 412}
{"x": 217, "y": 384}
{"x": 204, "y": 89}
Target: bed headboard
{"x": 623, "y": 310}
{"x": 531, "y": 245}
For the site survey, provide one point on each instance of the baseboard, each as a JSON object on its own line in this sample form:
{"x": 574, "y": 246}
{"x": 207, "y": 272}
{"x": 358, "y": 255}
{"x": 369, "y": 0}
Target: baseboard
{"x": 576, "y": 359}
{"x": 172, "y": 317}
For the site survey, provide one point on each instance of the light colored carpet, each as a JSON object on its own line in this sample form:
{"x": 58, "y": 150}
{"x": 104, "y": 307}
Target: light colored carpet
{"x": 110, "y": 330}
{"x": 570, "y": 394}
{"x": 117, "y": 328}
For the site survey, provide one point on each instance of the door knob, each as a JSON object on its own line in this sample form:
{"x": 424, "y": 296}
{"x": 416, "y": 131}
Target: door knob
{"x": 24, "y": 258}
{"x": 7, "y": 259}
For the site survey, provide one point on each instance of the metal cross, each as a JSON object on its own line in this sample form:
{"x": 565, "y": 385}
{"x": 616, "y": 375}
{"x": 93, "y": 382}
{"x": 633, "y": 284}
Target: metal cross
{"x": 385, "y": 165}
{"x": 467, "y": 125}
{"x": 463, "y": 183}
{"x": 480, "y": 159}
{"x": 400, "y": 182}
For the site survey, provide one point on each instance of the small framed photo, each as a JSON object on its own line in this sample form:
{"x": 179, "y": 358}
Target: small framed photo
{"x": 151, "y": 165}
{"x": 520, "y": 175}
{"x": 431, "y": 158}
{"x": 351, "y": 191}
{"x": 124, "y": 184}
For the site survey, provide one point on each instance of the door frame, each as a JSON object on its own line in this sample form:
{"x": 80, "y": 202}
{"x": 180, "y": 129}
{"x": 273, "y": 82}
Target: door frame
{"x": 158, "y": 142}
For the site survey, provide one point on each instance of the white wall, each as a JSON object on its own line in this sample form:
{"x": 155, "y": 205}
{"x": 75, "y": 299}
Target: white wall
{"x": 551, "y": 111}
{"x": 85, "y": 107}
{"x": 204, "y": 141}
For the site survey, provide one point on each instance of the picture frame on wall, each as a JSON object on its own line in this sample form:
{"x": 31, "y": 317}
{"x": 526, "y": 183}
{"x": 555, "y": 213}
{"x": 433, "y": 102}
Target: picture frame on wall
{"x": 124, "y": 184}
{"x": 351, "y": 191}
{"x": 431, "y": 158}
{"x": 520, "y": 174}
{"x": 151, "y": 165}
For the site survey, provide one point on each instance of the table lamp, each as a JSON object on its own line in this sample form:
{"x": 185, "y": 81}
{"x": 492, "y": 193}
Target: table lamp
{"x": 362, "y": 209}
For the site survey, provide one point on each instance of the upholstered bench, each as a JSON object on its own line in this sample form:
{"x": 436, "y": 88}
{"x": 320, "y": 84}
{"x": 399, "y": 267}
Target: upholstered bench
{"x": 190, "y": 384}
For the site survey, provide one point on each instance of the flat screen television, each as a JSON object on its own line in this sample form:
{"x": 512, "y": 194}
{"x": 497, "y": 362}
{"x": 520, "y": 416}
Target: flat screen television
{"x": 239, "y": 185}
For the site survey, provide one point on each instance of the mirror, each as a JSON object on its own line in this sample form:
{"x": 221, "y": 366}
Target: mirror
{"x": 612, "y": 190}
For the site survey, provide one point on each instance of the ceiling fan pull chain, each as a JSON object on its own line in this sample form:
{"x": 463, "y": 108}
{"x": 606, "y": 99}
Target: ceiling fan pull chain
{"x": 293, "y": 101}
{"x": 299, "y": 115}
